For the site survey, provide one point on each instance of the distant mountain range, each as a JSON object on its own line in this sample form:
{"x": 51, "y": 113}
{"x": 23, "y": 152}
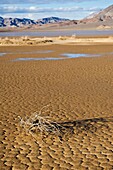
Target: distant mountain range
{"x": 103, "y": 16}
{"x": 17, "y": 22}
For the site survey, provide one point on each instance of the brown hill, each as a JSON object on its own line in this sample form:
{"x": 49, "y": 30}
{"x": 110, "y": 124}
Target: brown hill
{"x": 103, "y": 16}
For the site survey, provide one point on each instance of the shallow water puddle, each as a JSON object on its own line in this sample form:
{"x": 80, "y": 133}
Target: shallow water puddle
{"x": 36, "y": 59}
{"x": 65, "y": 56}
{"x": 72, "y": 55}
{"x": 34, "y": 52}
{"x": 76, "y": 55}
{"x": 2, "y": 54}
{"x": 28, "y": 52}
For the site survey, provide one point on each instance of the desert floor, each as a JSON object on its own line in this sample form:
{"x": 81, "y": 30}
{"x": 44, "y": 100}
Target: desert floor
{"x": 77, "y": 93}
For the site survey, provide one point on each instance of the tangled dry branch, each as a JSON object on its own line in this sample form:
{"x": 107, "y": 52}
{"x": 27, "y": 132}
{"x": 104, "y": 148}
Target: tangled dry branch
{"x": 37, "y": 123}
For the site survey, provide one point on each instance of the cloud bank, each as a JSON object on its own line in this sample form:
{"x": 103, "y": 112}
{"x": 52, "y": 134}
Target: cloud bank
{"x": 34, "y": 9}
{"x": 74, "y": 9}
{"x": 39, "y": 2}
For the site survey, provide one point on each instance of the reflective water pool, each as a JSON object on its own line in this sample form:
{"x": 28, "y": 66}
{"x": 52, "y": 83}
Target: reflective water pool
{"x": 76, "y": 55}
{"x": 34, "y": 52}
{"x": 29, "y": 52}
{"x": 65, "y": 56}
{"x": 2, "y": 54}
{"x": 36, "y": 59}
{"x": 56, "y": 33}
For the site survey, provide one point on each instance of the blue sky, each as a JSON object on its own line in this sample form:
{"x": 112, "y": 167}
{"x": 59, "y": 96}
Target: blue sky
{"x": 36, "y": 9}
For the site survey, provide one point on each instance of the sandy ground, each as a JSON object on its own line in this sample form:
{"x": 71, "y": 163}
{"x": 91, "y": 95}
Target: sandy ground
{"x": 75, "y": 89}
{"x": 33, "y": 41}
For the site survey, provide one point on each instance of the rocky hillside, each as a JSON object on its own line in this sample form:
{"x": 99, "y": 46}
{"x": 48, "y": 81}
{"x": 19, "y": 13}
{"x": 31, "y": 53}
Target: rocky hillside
{"x": 51, "y": 20}
{"x": 106, "y": 14}
{"x": 103, "y": 16}
{"x": 2, "y": 22}
{"x": 17, "y": 22}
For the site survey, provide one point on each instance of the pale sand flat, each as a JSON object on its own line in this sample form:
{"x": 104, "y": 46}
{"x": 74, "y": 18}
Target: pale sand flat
{"x": 29, "y": 41}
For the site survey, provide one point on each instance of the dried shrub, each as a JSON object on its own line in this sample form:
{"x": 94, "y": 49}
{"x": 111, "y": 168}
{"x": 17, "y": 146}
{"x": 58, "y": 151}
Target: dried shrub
{"x": 62, "y": 38}
{"x": 36, "y": 123}
{"x": 43, "y": 125}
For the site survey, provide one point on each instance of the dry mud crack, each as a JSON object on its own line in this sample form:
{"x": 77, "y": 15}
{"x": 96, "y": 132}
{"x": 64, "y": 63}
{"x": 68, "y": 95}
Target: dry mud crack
{"x": 81, "y": 94}
{"x": 80, "y": 144}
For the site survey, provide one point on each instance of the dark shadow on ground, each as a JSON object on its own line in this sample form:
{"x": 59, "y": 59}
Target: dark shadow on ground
{"x": 70, "y": 127}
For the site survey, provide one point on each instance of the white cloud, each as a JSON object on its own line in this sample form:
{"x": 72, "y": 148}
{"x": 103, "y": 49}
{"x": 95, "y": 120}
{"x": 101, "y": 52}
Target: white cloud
{"x": 39, "y": 2}
{"x": 34, "y": 9}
